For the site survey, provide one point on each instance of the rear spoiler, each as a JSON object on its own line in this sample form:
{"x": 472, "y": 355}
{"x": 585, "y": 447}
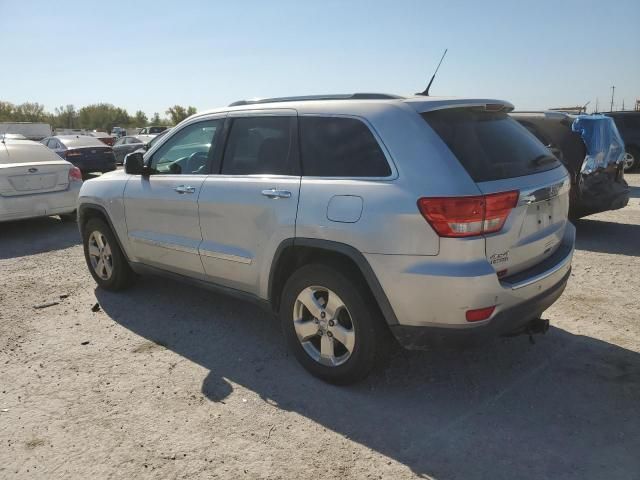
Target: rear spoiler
{"x": 430, "y": 104}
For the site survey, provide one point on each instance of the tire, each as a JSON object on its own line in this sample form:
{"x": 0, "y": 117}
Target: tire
{"x": 632, "y": 155}
{"x": 358, "y": 323}
{"x": 115, "y": 272}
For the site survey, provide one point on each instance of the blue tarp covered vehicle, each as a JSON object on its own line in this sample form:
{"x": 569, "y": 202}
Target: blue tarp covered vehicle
{"x": 592, "y": 150}
{"x": 602, "y": 140}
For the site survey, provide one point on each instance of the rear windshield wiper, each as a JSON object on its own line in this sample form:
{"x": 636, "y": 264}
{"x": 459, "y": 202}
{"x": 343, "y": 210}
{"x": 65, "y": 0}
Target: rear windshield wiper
{"x": 543, "y": 160}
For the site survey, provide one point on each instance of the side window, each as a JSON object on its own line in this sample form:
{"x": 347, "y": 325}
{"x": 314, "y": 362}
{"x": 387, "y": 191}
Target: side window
{"x": 340, "y": 147}
{"x": 537, "y": 133}
{"x": 187, "y": 152}
{"x": 259, "y": 145}
{"x": 120, "y": 141}
{"x": 53, "y": 143}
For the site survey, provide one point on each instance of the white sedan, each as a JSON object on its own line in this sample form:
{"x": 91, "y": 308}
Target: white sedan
{"x": 35, "y": 182}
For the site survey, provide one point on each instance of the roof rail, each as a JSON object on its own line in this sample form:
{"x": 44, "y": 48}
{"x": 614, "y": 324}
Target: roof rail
{"x": 345, "y": 96}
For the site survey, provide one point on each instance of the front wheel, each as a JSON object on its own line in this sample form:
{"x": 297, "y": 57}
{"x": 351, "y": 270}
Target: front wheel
{"x": 107, "y": 264}
{"x": 331, "y": 324}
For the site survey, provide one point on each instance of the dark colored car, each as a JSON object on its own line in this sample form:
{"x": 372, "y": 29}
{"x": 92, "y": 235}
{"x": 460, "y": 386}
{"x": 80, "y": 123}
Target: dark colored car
{"x": 126, "y": 145}
{"x": 154, "y": 130}
{"x": 593, "y": 189}
{"x": 89, "y": 154}
{"x": 628, "y": 124}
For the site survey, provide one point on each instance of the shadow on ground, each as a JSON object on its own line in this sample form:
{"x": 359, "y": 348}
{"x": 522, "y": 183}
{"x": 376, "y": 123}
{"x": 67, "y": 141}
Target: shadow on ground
{"x": 608, "y": 237}
{"x": 566, "y": 407}
{"x": 39, "y": 235}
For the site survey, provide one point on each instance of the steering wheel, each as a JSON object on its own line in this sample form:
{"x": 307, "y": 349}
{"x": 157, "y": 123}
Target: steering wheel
{"x": 196, "y": 161}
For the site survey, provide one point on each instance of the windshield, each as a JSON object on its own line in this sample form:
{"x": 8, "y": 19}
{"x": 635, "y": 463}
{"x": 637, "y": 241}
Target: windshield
{"x": 490, "y": 145}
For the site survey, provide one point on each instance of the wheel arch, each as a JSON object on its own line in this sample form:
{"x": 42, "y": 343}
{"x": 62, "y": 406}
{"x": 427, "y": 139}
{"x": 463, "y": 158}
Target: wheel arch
{"x": 293, "y": 253}
{"x": 87, "y": 211}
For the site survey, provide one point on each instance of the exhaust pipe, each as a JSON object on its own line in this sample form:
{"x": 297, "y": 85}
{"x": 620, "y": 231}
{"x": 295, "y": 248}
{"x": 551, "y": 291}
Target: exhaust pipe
{"x": 538, "y": 325}
{"x": 534, "y": 327}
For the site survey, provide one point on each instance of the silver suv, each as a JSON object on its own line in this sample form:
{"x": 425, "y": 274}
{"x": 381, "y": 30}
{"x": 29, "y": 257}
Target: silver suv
{"x": 351, "y": 216}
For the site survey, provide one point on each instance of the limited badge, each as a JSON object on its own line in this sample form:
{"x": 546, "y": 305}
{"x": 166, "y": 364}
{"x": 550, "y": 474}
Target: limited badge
{"x": 497, "y": 258}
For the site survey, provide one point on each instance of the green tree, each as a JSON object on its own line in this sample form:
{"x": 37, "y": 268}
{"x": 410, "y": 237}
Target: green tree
{"x": 65, "y": 117}
{"x": 102, "y": 116}
{"x": 30, "y": 112}
{"x": 140, "y": 119}
{"x": 7, "y": 111}
{"x": 177, "y": 113}
{"x": 155, "y": 120}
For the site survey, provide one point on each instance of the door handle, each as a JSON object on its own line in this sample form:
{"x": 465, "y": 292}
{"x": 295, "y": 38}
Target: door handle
{"x": 273, "y": 193}
{"x": 185, "y": 189}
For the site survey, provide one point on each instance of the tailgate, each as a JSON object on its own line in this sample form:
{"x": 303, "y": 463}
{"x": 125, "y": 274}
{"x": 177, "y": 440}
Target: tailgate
{"x": 502, "y": 156}
{"x": 30, "y": 178}
{"x": 535, "y": 227}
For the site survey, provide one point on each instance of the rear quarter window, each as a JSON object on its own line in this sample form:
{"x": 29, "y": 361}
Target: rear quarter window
{"x": 490, "y": 145}
{"x": 340, "y": 147}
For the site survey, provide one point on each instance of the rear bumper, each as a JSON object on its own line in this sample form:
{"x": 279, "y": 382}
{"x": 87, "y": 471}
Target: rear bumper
{"x": 432, "y": 296}
{"x": 507, "y": 321}
{"x": 40, "y": 204}
{"x": 102, "y": 165}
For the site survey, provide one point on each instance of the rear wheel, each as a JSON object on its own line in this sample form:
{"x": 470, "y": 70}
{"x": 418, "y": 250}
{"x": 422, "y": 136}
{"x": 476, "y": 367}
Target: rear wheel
{"x": 631, "y": 159}
{"x": 106, "y": 262}
{"x": 332, "y": 325}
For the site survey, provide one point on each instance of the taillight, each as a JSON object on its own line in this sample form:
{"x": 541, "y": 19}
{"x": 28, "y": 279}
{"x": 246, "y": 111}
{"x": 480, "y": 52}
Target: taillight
{"x": 468, "y": 216}
{"x": 75, "y": 175}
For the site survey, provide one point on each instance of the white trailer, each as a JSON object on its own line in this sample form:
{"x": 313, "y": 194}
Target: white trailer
{"x": 33, "y": 131}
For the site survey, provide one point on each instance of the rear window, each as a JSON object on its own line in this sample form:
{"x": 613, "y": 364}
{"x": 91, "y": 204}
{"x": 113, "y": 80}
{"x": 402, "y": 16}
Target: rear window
{"x": 80, "y": 141}
{"x": 490, "y": 145}
{"x": 340, "y": 147}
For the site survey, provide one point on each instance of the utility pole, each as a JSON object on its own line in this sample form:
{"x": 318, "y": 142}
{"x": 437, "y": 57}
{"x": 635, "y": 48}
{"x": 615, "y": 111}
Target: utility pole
{"x": 597, "y": 102}
{"x": 613, "y": 91}
{"x": 623, "y": 104}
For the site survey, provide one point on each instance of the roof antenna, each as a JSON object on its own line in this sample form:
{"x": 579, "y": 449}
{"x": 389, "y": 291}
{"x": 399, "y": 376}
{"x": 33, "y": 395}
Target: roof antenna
{"x": 426, "y": 90}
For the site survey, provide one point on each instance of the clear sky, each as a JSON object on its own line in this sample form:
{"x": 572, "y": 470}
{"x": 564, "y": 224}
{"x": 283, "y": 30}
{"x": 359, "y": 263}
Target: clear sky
{"x": 149, "y": 55}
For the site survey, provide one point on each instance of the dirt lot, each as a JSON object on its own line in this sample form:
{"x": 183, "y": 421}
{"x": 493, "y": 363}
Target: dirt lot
{"x": 168, "y": 381}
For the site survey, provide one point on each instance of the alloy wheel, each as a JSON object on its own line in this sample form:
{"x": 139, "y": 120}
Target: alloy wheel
{"x": 629, "y": 161}
{"x": 324, "y": 326}
{"x": 100, "y": 255}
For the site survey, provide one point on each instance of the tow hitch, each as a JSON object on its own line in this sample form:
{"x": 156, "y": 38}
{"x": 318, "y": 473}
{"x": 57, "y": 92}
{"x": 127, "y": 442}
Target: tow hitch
{"x": 534, "y": 327}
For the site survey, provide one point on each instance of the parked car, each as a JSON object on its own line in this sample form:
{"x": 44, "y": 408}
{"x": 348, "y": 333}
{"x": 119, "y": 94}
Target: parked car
{"x": 126, "y": 145}
{"x": 104, "y": 137}
{"x": 628, "y": 124}
{"x": 437, "y": 220}
{"x": 87, "y": 153}
{"x": 35, "y": 182}
{"x": 118, "y": 132}
{"x": 594, "y": 187}
{"x": 152, "y": 130}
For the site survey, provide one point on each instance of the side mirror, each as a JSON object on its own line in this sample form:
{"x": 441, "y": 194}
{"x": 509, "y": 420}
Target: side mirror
{"x": 134, "y": 164}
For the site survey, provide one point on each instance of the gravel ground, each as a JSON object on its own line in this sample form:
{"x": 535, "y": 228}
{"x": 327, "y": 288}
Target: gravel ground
{"x": 168, "y": 381}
